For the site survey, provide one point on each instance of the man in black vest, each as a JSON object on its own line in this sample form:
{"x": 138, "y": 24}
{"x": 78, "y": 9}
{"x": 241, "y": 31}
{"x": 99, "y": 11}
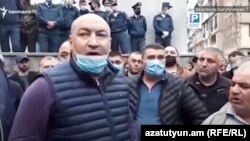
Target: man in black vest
{"x": 85, "y": 98}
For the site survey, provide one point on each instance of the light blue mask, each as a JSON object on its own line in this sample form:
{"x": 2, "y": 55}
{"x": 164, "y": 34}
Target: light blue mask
{"x": 94, "y": 65}
{"x": 155, "y": 68}
{"x": 119, "y": 67}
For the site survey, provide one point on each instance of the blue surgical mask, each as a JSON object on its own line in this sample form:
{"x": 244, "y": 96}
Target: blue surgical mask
{"x": 94, "y": 65}
{"x": 119, "y": 67}
{"x": 155, "y": 68}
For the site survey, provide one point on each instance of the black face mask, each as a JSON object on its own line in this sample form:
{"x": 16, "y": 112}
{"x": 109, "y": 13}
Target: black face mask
{"x": 138, "y": 12}
{"x": 92, "y": 8}
{"x": 170, "y": 61}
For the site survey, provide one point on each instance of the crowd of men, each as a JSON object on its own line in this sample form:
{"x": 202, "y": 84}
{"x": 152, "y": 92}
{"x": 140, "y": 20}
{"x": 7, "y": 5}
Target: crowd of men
{"x": 49, "y": 25}
{"x": 91, "y": 92}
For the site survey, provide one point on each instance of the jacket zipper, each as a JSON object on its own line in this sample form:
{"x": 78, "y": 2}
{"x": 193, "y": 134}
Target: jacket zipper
{"x": 108, "y": 112}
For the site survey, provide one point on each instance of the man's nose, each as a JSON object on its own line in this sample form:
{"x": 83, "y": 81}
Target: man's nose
{"x": 234, "y": 89}
{"x": 93, "y": 43}
{"x": 204, "y": 63}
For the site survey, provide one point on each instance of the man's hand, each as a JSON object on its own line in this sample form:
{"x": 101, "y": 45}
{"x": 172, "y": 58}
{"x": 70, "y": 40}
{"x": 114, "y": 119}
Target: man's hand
{"x": 51, "y": 24}
{"x": 165, "y": 33}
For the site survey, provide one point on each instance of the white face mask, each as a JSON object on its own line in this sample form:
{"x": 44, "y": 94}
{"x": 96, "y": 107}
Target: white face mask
{"x": 83, "y": 7}
{"x": 167, "y": 11}
{"x": 108, "y": 9}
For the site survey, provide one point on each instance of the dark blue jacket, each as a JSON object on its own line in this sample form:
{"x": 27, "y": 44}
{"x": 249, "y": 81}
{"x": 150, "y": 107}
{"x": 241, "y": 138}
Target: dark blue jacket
{"x": 8, "y": 18}
{"x": 83, "y": 12}
{"x": 178, "y": 103}
{"x": 137, "y": 26}
{"x": 119, "y": 23}
{"x": 10, "y": 94}
{"x": 69, "y": 15}
{"x": 45, "y": 14}
{"x": 102, "y": 14}
{"x": 163, "y": 24}
{"x": 86, "y": 109}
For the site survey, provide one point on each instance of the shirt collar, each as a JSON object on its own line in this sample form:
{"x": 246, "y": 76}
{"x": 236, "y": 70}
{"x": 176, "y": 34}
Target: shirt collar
{"x": 231, "y": 112}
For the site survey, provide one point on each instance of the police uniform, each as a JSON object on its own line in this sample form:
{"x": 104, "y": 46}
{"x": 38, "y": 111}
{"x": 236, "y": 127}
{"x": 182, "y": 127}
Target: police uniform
{"x": 137, "y": 29}
{"x": 163, "y": 23}
{"x": 100, "y": 13}
{"x": 70, "y": 13}
{"x": 118, "y": 23}
{"x": 48, "y": 38}
{"x": 83, "y": 11}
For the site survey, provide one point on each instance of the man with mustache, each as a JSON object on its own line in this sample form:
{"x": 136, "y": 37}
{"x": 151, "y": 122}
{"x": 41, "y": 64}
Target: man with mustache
{"x": 237, "y": 110}
{"x": 172, "y": 66}
{"x": 83, "y": 99}
{"x": 211, "y": 87}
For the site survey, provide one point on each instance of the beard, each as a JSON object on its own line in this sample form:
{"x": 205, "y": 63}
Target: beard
{"x": 170, "y": 61}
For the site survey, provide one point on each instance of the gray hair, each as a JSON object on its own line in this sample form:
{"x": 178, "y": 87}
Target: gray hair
{"x": 219, "y": 53}
{"x": 244, "y": 67}
{"x": 241, "y": 60}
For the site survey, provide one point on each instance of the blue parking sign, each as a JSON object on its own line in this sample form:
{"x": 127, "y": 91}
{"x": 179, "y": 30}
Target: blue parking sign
{"x": 194, "y": 18}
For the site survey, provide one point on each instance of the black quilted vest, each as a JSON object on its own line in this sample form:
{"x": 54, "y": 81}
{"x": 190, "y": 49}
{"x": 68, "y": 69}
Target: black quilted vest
{"x": 86, "y": 110}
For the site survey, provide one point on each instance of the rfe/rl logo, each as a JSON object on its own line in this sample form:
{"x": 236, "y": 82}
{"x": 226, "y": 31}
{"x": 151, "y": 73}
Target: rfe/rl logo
{"x": 194, "y": 18}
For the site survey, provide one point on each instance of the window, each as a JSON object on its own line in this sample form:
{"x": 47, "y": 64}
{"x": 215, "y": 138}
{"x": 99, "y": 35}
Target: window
{"x": 249, "y": 29}
{"x": 211, "y": 25}
{"x": 215, "y": 3}
{"x": 210, "y": 2}
{"x": 215, "y": 22}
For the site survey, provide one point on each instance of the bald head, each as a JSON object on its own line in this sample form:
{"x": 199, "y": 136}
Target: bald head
{"x": 90, "y": 34}
{"x": 47, "y": 62}
{"x": 64, "y": 51}
{"x": 88, "y": 19}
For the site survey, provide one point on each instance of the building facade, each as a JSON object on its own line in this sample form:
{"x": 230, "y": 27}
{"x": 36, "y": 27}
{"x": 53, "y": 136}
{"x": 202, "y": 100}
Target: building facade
{"x": 227, "y": 31}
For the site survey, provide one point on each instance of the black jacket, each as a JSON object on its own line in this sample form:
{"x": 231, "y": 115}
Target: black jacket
{"x": 178, "y": 104}
{"x": 229, "y": 74}
{"x": 10, "y": 93}
{"x": 215, "y": 96}
{"x": 12, "y": 102}
{"x": 31, "y": 77}
{"x": 8, "y": 17}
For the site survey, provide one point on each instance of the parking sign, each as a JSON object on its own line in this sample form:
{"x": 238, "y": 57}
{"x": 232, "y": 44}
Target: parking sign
{"x": 194, "y": 20}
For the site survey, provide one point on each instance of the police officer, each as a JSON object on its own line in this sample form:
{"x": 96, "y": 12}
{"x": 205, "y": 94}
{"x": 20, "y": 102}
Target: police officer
{"x": 95, "y": 7}
{"x": 29, "y": 32}
{"x": 107, "y": 4}
{"x": 119, "y": 22}
{"x": 137, "y": 28}
{"x": 163, "y": 25}
{"x": 70, "y": 13}
{"x": 49, "y": 16}
{"x": 83, "y": 7}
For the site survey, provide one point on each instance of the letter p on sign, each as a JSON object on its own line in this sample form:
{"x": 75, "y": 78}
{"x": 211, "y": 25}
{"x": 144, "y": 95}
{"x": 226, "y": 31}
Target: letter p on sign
{"x": 194, "y": 18}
